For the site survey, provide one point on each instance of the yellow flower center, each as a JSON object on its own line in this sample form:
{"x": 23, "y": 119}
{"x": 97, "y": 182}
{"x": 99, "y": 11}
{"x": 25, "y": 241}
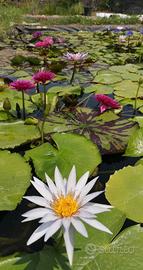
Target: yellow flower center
{"x": 65, "y": 206}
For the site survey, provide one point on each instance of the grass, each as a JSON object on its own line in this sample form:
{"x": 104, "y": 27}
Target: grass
{"x": 78, "y": 19}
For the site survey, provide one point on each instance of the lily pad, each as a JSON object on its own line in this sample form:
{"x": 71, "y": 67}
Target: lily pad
{"x": 127, "y": 89}
{"x": 65, "y": 90}
{"x": 50, "y": 258}
{"x": 99, "y": 89}
{"x": 20, "y": 74}
{"x": 16, "y": 133}
{"x": 107, "y": 78}
{"x": 124, "y": 252}
{"x": 135, "y": 144}
{"x": 124, "y": 191}
{"x": 15, "y": 179}
{"x": 108, "y": 131}
{"x": 70, "y": 150}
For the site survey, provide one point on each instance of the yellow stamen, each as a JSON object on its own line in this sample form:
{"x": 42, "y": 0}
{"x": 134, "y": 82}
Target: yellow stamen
{"x": 65, "y": 206}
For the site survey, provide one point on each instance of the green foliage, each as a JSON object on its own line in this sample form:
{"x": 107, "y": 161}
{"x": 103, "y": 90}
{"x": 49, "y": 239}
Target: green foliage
{"x": 124, "y": 191}
{"x": 70, "y": 149}
{"x": 15, "y": 179}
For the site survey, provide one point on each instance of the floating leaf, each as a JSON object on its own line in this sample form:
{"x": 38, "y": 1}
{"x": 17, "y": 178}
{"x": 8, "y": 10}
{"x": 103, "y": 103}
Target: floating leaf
{"x": 127, "y": 89}
{"x": 107, "y": 78}
{"x": 50, "y": 258}
{"x": 124, "y": 191}
{"x": 135, "y": 144}
{"x": 124, "y": 252}
{"x": 65, "y": 90}
{"x": 20, "y": 74}
{"x": 99, "y": 89}
{"x": 16, "y": 133}
{"x": 108, "y": 131}
{"x": 15, "y": 179}
{"x": 71, "y": 150}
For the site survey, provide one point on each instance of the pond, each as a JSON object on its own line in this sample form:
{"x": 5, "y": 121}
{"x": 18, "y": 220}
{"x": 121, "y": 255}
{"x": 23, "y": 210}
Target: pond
{"x": 71, "y": 107}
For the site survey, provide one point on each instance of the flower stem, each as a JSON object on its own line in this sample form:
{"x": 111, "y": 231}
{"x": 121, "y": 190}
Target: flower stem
{"x": 73, "y": 73}
{"x": 136, "y": 98}
{"x": 23, "y": 104}
{"x": 45, "y": 97}
{"x": 42, "y": 129}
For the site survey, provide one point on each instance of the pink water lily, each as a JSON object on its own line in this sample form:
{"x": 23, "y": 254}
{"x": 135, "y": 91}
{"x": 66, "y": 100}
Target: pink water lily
{"x": 22, "y": 85}
{"x": 106, "y": 103}
{"x": 47, "y": 42}
{"x": 43, "y": 76}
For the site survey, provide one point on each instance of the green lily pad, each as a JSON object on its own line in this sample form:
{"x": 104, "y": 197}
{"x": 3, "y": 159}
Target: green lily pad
{"x": 131, "y": 76}
{"x": 71, "y": 150}
{"x": 4, "y": 116}
{"x": 107, "y": 78}
{"x": 20, "y": 74}
{"x": 16, "y": 97}
{"x": 135, "y": 144}
{"x": 65, "y": 90}
{"x": 50, "y": 258}
{"x": 16, "y": 133}
{"x": 99, "y": 89}
{"x": 124, "y": 191}
{"x": 120, "y": 69}
{"x": 127, "y": 89}
{"x": 124, "y": 252}
{"x": 15, "y": 179}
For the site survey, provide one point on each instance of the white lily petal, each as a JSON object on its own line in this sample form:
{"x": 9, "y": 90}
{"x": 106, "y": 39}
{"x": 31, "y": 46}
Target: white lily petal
{"x": 51, "y": 185}
{"x": 48, "y": 218}
{"x": 69, "y": 239}
{"x": 79, "y": 226}
{"x": 96, "y": 224}
{"x": 89, "y": 197}
{"x": 53, "y": 229}
{"x": 59, "y": 181}
{"x": 37, "y": 200}
{"x": 66, "y": 223}
{"x": 88, "y": 187}
{"x": 38, "y": 233}
{"x": 81, "y": 183}
{"x": 84, "y": 213}
{"x": 65, "y": 185}
{"x": 43, "y": 190}
{"x": 96, "y": 209}
{"x": 104, "y": 206}
{"x": 71, "y": 183}
{"x": 36, "y": 213}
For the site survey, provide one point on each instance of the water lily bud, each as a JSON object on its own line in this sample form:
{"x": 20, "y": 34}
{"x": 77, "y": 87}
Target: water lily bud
{"x": 141, "y": 80}
{"x": 7, "y": 104}
{"x": 31, "y": 121}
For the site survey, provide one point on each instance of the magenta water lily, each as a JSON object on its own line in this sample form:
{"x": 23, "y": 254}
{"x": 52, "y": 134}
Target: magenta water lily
{"x": 23, "y": 86}
{"x": 46, "y": 43}
{"x": 43, "y": 76}
{"x": 106, "y": 102}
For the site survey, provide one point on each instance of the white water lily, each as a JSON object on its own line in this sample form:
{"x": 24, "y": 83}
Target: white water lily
{"x": 75, "y": 57}
{"x": 65, "y": 204}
